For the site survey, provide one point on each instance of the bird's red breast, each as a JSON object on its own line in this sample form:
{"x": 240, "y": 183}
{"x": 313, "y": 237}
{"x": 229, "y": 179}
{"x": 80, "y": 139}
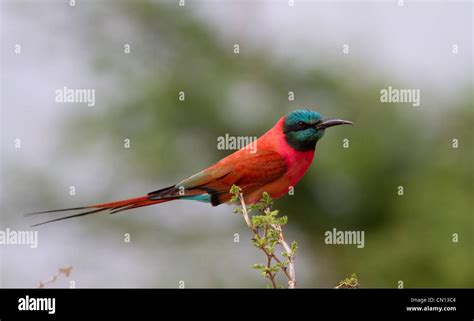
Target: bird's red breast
{"x": 297, "y": 163}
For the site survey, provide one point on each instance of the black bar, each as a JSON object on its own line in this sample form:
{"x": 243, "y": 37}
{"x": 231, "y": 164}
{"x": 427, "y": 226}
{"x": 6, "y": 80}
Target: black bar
{"x": 240, "y": 304}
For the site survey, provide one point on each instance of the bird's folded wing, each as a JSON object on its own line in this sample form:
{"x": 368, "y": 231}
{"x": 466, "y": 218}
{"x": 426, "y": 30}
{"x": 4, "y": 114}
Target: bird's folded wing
{"x": 249, "y": 171}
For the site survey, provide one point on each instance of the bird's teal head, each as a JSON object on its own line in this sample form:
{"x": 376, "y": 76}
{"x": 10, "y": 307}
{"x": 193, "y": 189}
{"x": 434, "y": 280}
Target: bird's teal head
{"x": 303, "y": 128}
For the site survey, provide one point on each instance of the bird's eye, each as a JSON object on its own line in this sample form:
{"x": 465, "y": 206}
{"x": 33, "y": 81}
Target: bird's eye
{"x": 300, "y": 123}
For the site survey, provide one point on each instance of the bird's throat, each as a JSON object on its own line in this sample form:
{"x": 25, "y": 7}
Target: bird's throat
{"x": 301, "y": 145}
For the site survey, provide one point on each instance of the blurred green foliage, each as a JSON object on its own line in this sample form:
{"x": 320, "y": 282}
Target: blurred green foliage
{"x": 408, "y": 238}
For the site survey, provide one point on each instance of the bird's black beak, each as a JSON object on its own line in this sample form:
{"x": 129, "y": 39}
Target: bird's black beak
{"x": 332, "y": 122}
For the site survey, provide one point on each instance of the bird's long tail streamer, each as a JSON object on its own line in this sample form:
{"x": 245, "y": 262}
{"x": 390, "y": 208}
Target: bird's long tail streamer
{"x": 112, "y": 207}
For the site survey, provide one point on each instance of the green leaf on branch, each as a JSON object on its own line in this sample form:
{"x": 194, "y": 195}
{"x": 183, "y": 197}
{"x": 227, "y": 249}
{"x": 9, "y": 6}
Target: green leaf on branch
{"x": 294, "y": 247}
{"x": 235, "y": 192}
{"x": 282, "y": 220}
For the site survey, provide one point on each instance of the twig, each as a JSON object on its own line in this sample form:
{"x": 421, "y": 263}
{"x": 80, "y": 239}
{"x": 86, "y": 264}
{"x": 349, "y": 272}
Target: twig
{"x": 349, "y": 283}
{"x": 291, "y": 265}
{"x": 245, "y": 214}
{"x": 289, "y": 253}
{"x": 66, "y": 271}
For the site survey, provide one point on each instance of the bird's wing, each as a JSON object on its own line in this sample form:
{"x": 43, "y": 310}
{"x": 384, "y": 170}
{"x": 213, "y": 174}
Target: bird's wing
{"x": 249, "y": 171}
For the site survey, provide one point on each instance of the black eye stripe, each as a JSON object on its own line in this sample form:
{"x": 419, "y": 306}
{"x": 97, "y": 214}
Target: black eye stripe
{"x": 303, "y": 125}
{"x": 299, "y": 126}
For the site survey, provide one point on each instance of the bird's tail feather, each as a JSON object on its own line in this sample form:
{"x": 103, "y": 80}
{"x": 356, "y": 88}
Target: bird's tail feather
{"x": 113, "y": 207}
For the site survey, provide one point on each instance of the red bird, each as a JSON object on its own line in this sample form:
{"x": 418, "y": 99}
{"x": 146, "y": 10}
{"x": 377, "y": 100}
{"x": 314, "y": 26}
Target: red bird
{"x": 282, "y": 157}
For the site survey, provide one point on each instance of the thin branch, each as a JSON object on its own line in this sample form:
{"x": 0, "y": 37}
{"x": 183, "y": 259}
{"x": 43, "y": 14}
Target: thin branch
{"x": 288, "y": 271}
{"x": 66, "y": 271}
{"x": 349, "y": 283}
{"x": 246, "y": 214}
{"x": 271, "y": 275}
{"x": 291, "y": 265}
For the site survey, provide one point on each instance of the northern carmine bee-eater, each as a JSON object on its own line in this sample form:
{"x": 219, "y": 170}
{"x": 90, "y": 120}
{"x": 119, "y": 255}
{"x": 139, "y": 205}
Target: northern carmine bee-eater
{"x": 282, "y": 156}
